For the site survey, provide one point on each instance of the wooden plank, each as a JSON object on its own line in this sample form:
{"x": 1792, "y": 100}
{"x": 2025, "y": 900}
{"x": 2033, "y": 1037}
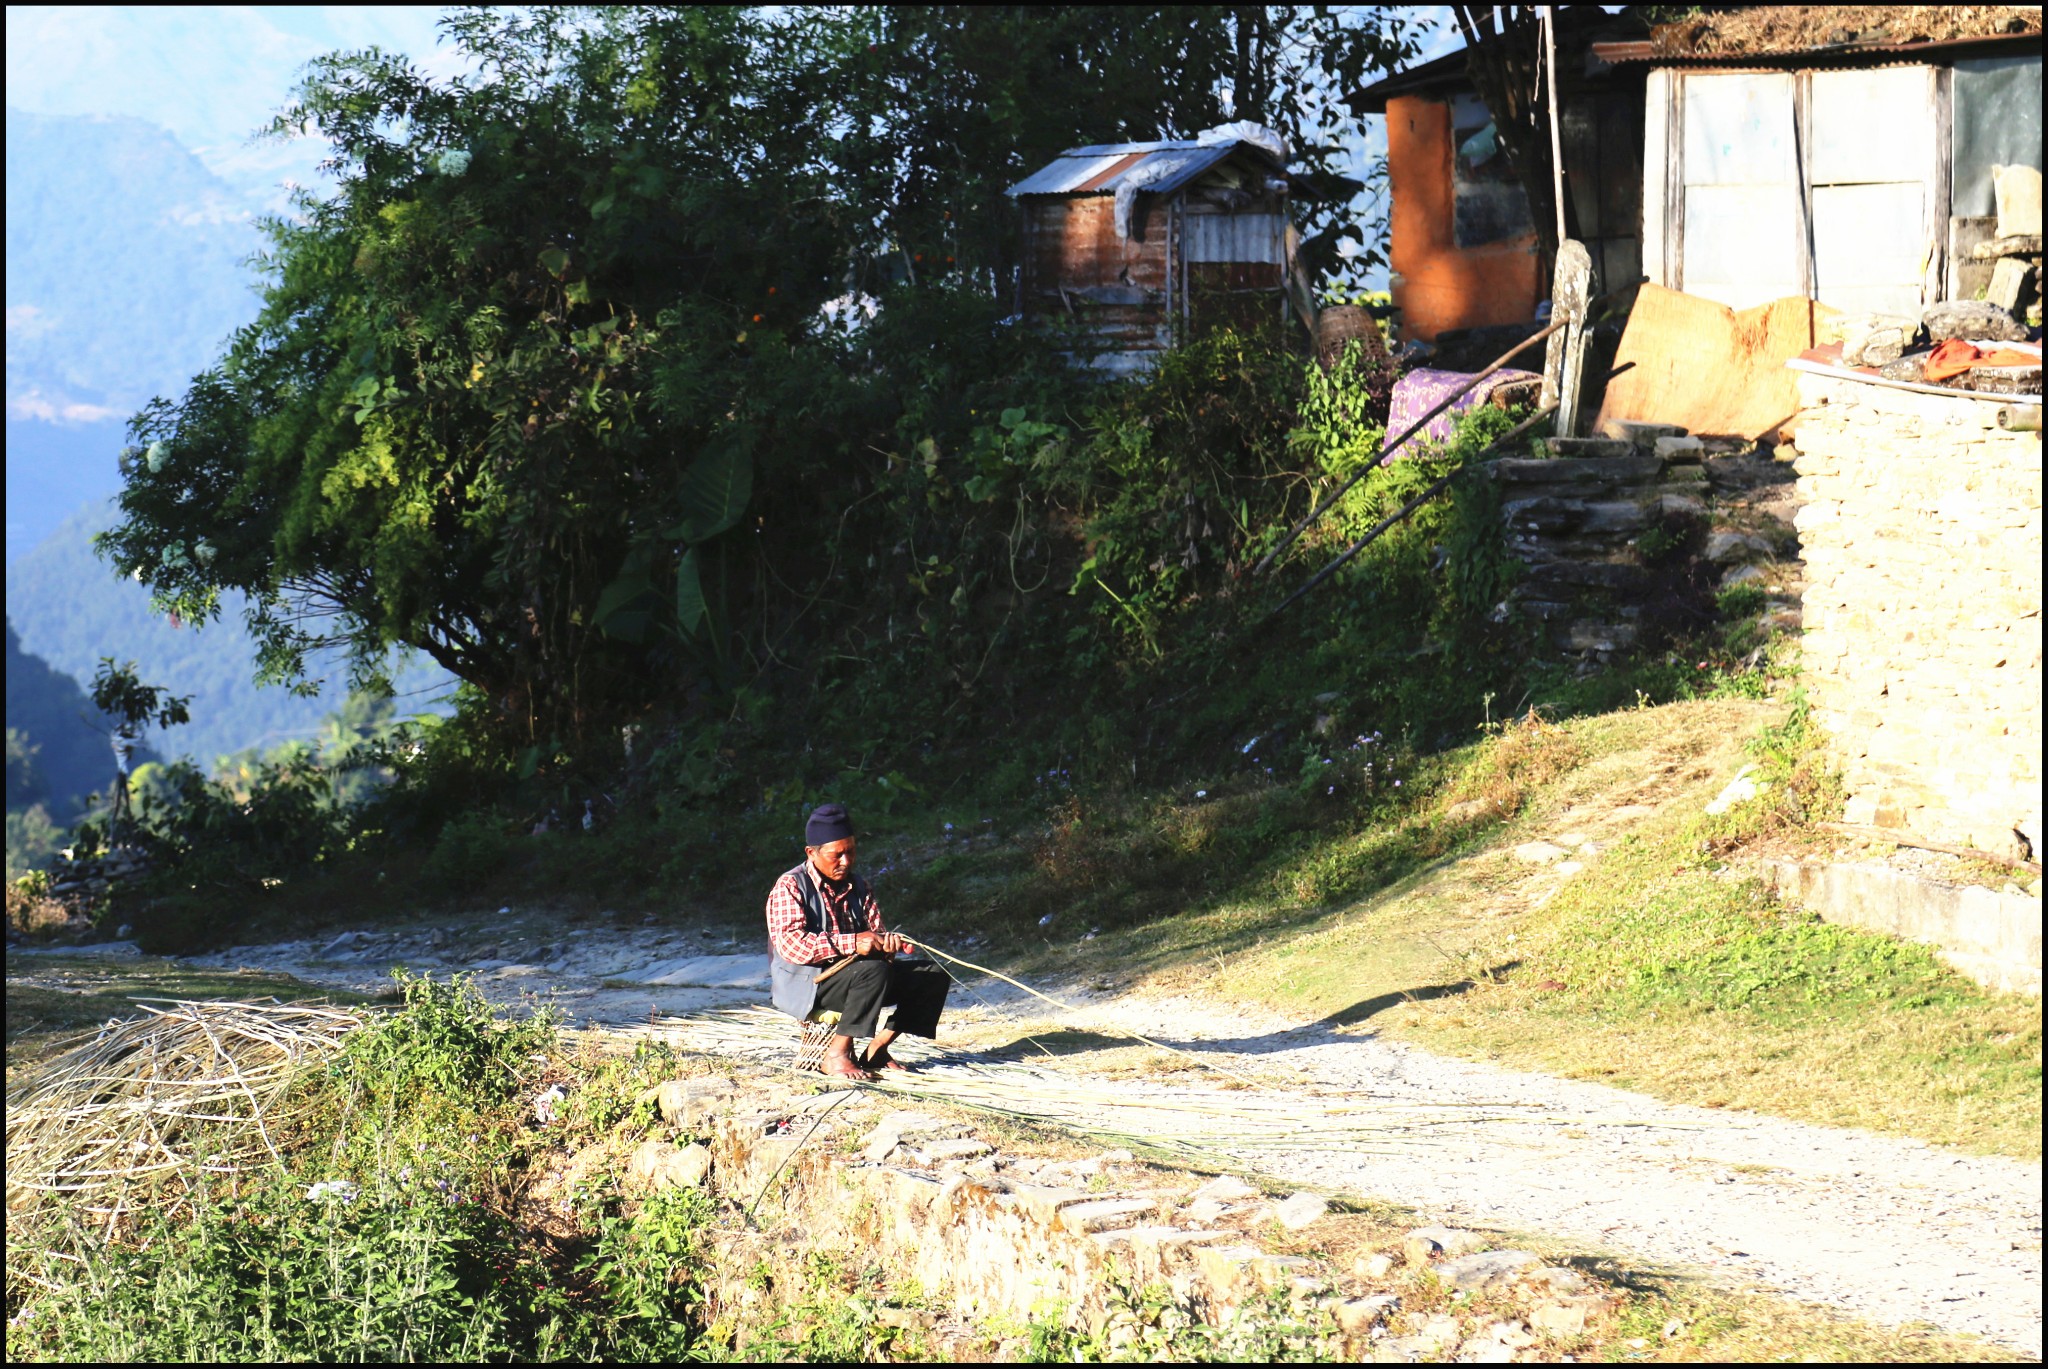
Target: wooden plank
{"x": 1656, "y": 166}
{"x": 1700, "y": 364}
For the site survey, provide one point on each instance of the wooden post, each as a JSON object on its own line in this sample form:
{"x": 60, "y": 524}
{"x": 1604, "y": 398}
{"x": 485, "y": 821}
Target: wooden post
{"x": 1564, "y": 361}
{"x": 1556, "y": 143}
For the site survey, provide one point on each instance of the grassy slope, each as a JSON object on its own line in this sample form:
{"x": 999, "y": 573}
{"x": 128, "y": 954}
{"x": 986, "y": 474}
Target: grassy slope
{"x": 1656, "y": 968}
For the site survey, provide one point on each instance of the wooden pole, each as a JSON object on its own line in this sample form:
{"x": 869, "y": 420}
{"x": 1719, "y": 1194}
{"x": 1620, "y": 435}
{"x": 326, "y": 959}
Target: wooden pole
{"x": 1556, "y": 143}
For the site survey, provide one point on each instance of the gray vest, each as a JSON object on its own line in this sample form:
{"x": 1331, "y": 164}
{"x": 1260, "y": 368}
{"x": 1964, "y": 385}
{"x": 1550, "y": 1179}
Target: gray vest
{"x": 794, "y": 988}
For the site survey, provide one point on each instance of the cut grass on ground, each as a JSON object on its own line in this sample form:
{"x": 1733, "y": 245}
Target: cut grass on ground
{"x": 52, "y": 996}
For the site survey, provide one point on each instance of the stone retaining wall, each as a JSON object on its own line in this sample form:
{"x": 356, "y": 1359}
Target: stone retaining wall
{"x": 1921, "y": 533}
{"x": 989, "y": 1241}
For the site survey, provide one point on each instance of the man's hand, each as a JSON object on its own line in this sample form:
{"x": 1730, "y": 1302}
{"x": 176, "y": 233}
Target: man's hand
{"x": 877, "y": 943}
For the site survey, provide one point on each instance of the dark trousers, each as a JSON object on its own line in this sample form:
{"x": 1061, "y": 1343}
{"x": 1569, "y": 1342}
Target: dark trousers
{"x": 857, "y": 993}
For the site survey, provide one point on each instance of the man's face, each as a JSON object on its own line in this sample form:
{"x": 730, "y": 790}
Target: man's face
{"x": 833, "y": 860}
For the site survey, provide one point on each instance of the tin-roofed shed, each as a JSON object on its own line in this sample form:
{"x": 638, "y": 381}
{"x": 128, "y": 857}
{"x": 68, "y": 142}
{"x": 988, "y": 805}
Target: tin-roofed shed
{"x": 1126, "y": 238}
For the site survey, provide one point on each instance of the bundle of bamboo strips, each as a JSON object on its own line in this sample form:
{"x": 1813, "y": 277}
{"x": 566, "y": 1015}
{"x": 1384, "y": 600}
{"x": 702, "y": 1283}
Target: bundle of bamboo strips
{"x": 138, "y": 1109}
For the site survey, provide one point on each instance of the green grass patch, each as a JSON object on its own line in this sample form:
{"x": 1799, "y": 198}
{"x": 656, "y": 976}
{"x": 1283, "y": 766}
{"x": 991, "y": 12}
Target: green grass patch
{"x": 1662, "y": 969}
{"x": 395, "y": 1224}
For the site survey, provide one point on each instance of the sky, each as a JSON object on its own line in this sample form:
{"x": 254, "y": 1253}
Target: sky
{"x": 210, "y": 74}
{"x": 214, "y": 74}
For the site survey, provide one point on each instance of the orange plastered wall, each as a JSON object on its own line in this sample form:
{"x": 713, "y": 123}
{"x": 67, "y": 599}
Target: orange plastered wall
{"x": 1437, "y": 284}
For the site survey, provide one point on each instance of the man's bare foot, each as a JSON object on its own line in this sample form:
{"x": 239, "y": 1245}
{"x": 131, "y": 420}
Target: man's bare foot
{"x": 844, "y": 1067}
{"x": 882, "y": 1060}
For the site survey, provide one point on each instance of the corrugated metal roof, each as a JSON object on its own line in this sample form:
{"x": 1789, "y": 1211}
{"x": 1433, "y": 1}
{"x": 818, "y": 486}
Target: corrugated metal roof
{"x": 1161, "y": 167}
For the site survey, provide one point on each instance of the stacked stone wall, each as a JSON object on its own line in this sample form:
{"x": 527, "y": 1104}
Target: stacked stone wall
{"x": 1920, "y": 528}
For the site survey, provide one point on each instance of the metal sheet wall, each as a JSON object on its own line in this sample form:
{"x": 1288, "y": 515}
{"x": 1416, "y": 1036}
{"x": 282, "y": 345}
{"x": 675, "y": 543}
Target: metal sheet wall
{"x": 1997, "y": 123}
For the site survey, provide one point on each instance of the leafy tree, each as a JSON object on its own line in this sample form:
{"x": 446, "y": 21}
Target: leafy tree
{"x": 547, "y": 388}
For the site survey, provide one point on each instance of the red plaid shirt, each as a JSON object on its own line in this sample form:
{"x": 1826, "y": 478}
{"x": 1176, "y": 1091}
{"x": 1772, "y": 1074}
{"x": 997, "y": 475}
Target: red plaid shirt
{"x": 786, "y": 920}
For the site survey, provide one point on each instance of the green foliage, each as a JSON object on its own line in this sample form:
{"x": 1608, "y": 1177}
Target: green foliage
{"x": 120, "y": 693}
{"x": 514, "y": 383}
{"x": 386, "y": 1232}
{"x": 270, "y": 1274}
{"x": 448, "y": 1041}
{"x": 32, "y": 840}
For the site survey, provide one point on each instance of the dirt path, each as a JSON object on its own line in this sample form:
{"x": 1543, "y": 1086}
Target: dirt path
{"x": 1891, "y": 1230}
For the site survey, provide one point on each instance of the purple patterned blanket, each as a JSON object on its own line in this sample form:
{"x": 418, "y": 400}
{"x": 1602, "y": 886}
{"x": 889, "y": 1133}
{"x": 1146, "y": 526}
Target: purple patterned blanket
{"x": 1421, "y": 390}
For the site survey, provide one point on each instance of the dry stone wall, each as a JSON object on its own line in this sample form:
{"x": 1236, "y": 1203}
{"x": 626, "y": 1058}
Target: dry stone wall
{"x": 1921, "y": 532}
{"x": 1587, "y": 524}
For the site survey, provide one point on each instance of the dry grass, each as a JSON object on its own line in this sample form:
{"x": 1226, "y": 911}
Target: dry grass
{"x": 1523, "y": 756}
{"x": 136, "y": 1111}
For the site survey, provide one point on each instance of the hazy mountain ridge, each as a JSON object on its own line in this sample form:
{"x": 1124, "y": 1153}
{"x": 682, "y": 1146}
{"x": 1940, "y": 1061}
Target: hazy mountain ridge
{"x": 71, "y": 609}
{"x": 50, "y": 710}
{"x": 126, "y": 265}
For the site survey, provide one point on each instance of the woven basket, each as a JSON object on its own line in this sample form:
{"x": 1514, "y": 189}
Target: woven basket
{"x": 1339, "y": 324}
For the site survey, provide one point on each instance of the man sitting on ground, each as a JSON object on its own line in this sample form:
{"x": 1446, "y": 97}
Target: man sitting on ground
{"x": 823, "y": 921}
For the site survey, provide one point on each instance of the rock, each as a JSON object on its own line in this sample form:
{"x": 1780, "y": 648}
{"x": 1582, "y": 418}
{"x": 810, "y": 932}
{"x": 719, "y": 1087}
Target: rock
{"x": 1558, "y": 1279}
{"x": 1724, "y": 548}
{"x": 1588, "y": 447}
{"x": 1043, "y": 1203}
{"x": 339, "y": 946}
{"x": 1539, "y": 852}
{"x": 1440, "y": 1330}
{"x": 1482, "y": 1350}
{"x": 1592, "y": 636}
{"x": 1240, "y": 1271}
{"x": 657, "y": 1165}
{"x": 1912, "y": 368}
{"x": 1874, "y": 339}
{"x": 1489, "y": 1269}
{"x": 1154, "y": 1239}
{"x": 1400, "y": 1350}
{"x": 1637, "y": 434}
{"x": 1303, "y": 1289}
{"x": 1971, "y": 319}
{"x": 1206, "y": 1210}
{"x": 686, "y": 1103}
{"x": 899, "y": 1127}
{"x": 1512, "y": 1334}
{"x": 1426, "y": 1242}
{"x": 1103, "y": 1213}
{"x": 2008, "y": 282}
{"x": 1300, "y": 1210}
{"x": 1225, "y": 1188}
{"x": 1741, "y": 789}
{"x": 1568, "y": 868}
{"x": 1559, "y": 1320}
{"x": 1742, "y": 575}
{"x": 1680, "y": 448}
{"x": 1356, "y": 1316}
{"x": 1117, "y": 1157}
{"x": 1373, "y": 1267}
{"x": 939, "y": 1152}
{"x": 1570, "y": 839}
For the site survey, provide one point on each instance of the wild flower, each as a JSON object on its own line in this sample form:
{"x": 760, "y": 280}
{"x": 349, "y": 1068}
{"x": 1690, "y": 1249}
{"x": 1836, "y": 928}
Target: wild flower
{"x": 453, "y": 162}
{"x": 155, "y": 457}
{"x": 332, "y": 1190}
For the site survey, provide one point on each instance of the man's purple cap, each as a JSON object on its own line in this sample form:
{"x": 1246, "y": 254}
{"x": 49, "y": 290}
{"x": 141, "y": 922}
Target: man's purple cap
{"x": 828, "y": 823}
